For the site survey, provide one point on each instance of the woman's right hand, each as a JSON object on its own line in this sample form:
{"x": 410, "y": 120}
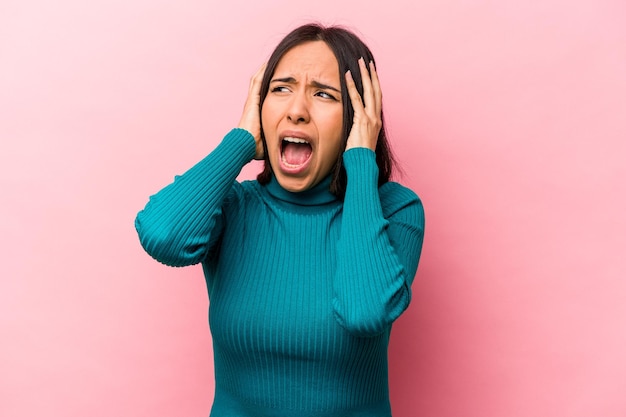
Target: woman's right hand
{"x": 251, "y": 117}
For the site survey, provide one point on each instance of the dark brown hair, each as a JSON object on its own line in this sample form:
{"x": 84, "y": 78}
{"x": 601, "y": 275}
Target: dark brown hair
{"x": 348, "y": 48}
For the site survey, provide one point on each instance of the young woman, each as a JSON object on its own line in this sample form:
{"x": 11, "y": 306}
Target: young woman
{"x": 308, "y": 266}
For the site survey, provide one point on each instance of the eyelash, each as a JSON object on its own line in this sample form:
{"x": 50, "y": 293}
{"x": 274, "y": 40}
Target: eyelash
{"x": 329, "y": 96}
{"x": 281, "y": 89}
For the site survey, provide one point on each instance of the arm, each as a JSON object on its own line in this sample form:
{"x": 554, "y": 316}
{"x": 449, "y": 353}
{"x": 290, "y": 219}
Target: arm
{"x": 182, "y": 222}
{"x": 380, "y": 244}
{"x": 379, "y": 248}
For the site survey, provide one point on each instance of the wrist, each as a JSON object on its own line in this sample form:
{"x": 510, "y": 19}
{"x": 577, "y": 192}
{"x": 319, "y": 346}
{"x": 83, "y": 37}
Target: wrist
{"x": 357, "y": 158}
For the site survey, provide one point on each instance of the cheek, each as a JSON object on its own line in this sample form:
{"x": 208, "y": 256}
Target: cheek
{"x": 331, "y": 122}
{"x": 267, "y": 122}
{"x": 264, "y": 112}
{"x": 335, "y": 131}
{"x": 333, "y": 146}
{"x": 338, "y": 121}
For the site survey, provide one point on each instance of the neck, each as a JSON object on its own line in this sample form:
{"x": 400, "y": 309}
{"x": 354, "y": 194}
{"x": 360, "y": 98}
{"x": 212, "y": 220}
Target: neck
{"x": 317, "y": 195}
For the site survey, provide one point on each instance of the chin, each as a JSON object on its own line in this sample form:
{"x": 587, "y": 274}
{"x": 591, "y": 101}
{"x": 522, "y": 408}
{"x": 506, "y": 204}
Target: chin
{"x": 294, "y": 185}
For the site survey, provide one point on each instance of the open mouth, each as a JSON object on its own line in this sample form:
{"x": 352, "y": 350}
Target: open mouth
{"x": 295, "y": 152}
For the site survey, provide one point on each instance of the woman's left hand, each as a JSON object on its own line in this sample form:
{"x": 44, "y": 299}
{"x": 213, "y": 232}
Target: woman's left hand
{"x": 367, "y": 119}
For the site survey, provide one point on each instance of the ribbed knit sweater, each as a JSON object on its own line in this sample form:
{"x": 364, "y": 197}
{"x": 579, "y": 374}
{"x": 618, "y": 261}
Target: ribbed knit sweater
{"x": 303, "y": 287}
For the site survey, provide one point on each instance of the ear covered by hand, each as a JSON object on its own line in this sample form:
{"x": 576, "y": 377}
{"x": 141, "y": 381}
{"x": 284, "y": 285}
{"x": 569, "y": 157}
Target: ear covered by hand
{"x": 367, "y": 119}
{"x": 366, "y": 122}
{"x": 251, "y": 116}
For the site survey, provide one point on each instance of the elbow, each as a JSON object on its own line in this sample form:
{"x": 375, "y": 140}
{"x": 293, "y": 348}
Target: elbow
{"x": 371, "y": 319}
{"x": 162, "y": 244}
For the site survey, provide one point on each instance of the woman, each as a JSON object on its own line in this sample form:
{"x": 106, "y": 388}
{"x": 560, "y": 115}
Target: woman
{"x": 307, "y": 267}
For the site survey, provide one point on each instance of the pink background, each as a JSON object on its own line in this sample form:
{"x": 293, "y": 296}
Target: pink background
{"x": 509, "y": 121}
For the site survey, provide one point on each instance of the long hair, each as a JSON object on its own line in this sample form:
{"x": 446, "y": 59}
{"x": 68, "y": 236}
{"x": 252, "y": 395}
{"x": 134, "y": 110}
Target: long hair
{"x": 347, "y": 48}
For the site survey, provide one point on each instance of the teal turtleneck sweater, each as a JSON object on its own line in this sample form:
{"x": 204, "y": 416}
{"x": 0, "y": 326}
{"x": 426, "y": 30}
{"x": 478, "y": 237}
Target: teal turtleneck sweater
{"x": 303, "y": 287}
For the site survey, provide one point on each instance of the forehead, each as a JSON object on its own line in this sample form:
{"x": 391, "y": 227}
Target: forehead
{"x": 310, "y": 59}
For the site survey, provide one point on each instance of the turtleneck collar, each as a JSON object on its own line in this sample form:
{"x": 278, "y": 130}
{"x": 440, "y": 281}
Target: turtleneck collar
{"x": 318, "y": 195}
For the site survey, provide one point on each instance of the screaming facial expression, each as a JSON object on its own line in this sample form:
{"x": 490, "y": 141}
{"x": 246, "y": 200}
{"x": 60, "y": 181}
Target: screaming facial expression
{"x": 302, "y": 116}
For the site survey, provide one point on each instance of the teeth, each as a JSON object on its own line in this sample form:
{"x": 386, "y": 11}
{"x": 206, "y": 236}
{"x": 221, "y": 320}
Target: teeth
{"x": 295, "y": 140}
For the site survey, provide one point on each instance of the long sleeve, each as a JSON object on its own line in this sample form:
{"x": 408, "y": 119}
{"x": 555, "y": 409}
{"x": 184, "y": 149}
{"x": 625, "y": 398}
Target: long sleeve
{"x": 379, "y": 248}
{"x": 181, "y": 223}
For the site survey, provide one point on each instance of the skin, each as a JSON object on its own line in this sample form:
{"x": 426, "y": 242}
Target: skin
{"x": 302, "y": 102}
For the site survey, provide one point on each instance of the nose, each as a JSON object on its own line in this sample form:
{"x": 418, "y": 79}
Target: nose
{"x": 298, "y": 111}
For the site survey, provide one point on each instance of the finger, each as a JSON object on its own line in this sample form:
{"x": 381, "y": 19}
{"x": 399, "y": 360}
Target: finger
{"x": 260, "y": 72}
{"x": 355, "y": 98}
{"x": 368, "y": 97}
{"x": 257, "y": 78}
{"x": 378, "y": 94}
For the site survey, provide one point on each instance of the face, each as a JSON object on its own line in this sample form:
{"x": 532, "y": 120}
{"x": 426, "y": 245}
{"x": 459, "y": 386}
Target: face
{"x": 302, "y": 116}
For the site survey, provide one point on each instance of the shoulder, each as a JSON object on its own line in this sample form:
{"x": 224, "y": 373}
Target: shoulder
{"x": 396, "y": 198}
{"x": 240, "y": 194}
{"x": 251, "y": 189}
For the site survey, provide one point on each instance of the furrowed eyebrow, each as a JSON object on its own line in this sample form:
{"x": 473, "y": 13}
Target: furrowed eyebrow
{"x": 289, "y": 80}
{"x": 316, "y": 84}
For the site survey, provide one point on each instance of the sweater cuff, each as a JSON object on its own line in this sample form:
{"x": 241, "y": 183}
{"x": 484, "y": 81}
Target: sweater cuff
{"x": 360, "y": 163}
{"x": 241, "y": 142}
